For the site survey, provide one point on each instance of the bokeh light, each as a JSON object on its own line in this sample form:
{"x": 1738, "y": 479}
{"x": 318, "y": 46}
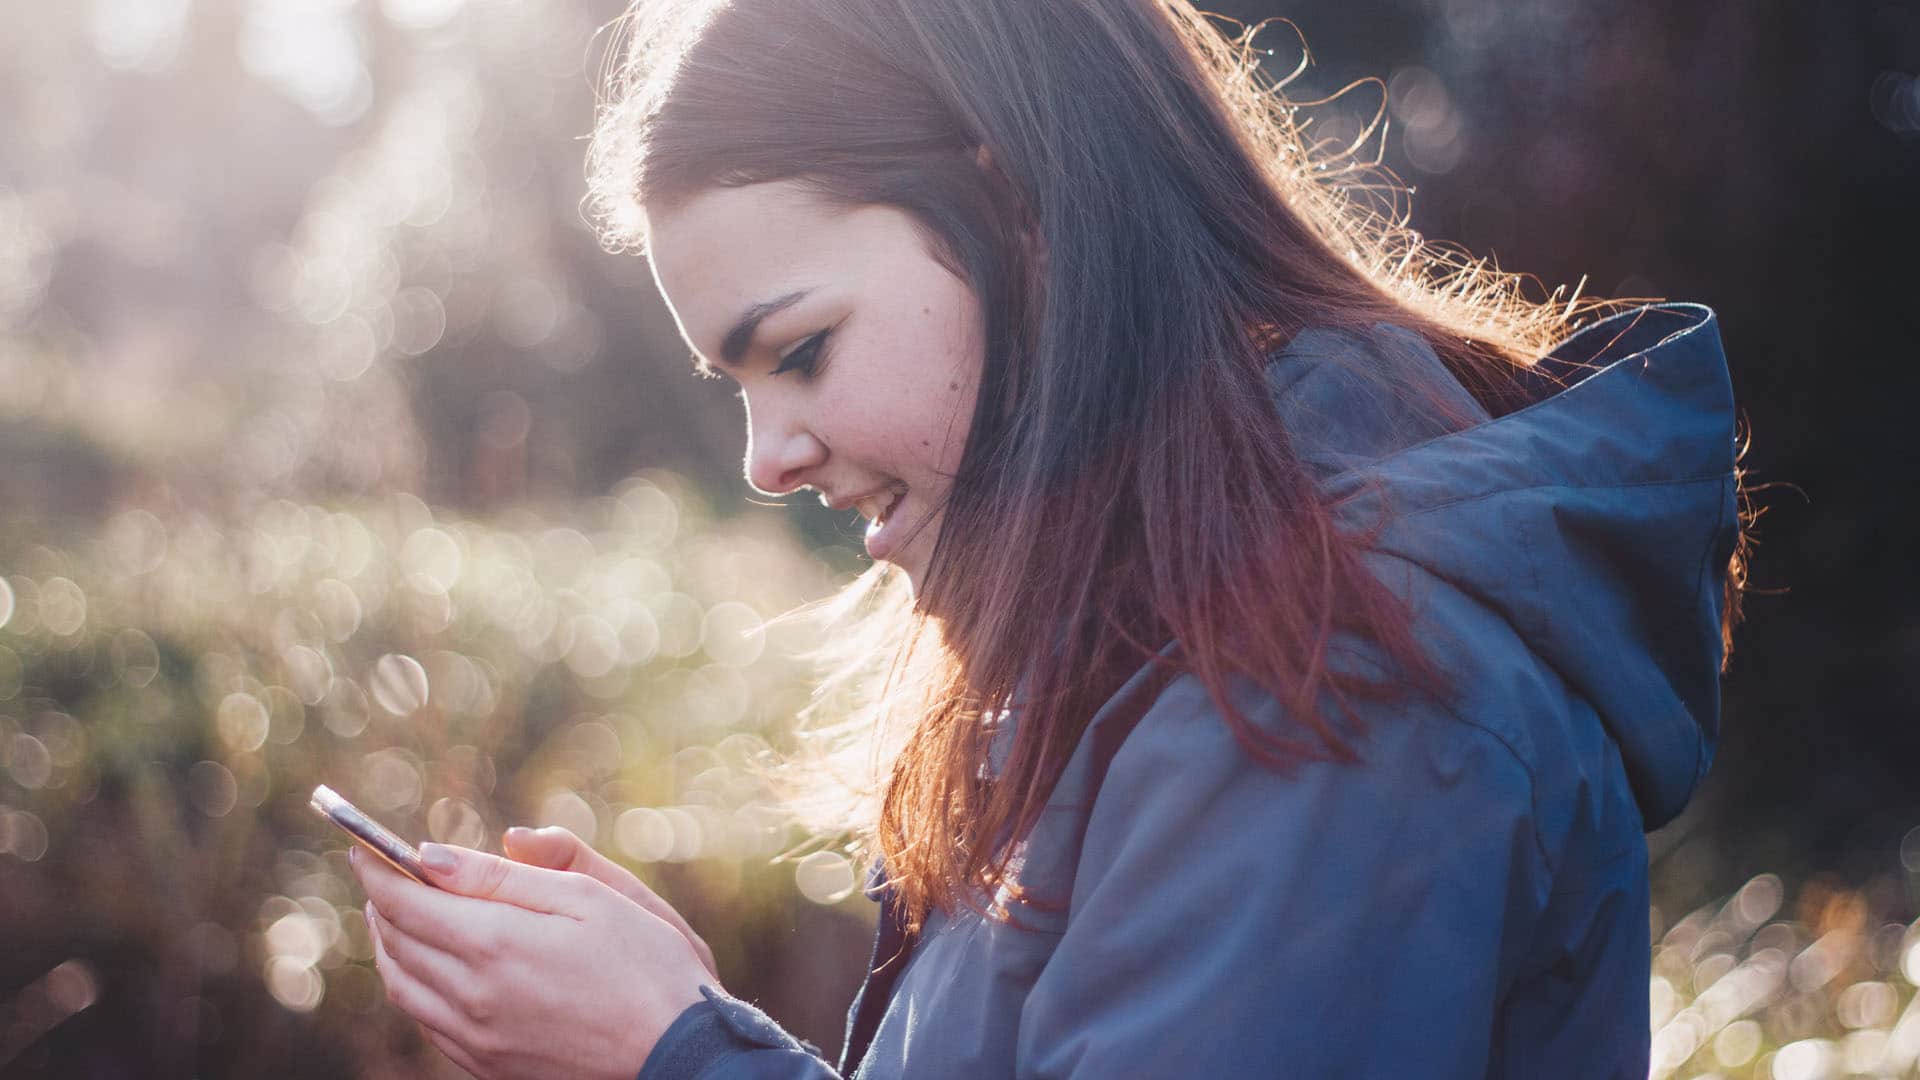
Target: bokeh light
{"x": 242, "y": 720}
{"x": 824, "y": 877}
{"x": 212, "y": 788}
{"x": 399, "y": 684}
{"x": 569, "y": 810}
{"x": 644, "y": 835}
{"x": 455, "y": 821}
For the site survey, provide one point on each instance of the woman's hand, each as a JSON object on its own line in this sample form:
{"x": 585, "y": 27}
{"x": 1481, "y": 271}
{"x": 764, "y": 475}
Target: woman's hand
{"x": 557, "y": 848}
{"x": 523, "y": 971}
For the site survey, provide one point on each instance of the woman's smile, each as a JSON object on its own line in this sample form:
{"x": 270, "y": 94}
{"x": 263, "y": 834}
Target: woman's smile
{"x": 883, "y": 521}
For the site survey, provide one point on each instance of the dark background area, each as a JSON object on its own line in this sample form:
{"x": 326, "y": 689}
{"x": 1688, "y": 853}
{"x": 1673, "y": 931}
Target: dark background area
{"x": 1763, "y": 160}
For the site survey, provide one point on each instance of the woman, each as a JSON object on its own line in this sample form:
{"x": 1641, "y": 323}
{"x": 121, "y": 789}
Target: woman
{"x": 1304, "y": 628}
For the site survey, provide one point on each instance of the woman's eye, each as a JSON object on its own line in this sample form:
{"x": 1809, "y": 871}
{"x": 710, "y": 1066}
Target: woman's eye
{"x": 805, "y": 358}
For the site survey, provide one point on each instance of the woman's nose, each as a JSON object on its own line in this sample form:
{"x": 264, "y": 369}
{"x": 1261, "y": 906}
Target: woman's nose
{"x": 781, "y": 452}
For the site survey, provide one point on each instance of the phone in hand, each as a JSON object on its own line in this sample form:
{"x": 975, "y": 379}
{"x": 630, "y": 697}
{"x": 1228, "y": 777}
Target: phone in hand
{"x": 375, "y": 837}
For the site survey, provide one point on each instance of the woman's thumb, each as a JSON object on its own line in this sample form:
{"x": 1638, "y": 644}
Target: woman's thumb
{"x": 552, "y": 848}
{"x": 557, "y": 848}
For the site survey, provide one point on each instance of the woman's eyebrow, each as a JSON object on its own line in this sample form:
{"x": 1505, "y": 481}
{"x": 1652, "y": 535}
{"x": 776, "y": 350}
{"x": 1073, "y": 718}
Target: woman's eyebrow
{"x": 734, "y": 345}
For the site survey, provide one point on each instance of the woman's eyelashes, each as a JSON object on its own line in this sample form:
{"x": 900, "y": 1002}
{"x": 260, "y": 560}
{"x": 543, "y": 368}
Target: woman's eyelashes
{"x": 805, "y": 358}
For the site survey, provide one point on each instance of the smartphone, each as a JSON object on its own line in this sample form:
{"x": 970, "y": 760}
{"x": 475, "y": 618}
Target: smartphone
{"x": 401, "y": 855}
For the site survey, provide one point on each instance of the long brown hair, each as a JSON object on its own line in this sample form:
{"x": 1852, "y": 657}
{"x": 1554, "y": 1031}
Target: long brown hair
{"x": 1153, "y": 222}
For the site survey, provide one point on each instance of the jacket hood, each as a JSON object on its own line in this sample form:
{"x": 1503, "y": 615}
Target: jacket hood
{"x": 1598, "y": 519}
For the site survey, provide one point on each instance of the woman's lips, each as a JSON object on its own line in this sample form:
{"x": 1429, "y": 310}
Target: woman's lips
{"x": 883, "y": 526}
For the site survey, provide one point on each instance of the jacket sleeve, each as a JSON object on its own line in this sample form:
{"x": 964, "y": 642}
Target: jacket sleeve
{"x": 1347, "y": 920}
{"x": 724, "y": 1038}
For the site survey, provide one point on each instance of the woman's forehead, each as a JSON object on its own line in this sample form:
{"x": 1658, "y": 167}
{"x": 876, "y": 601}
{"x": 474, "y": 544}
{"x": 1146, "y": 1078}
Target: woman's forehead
{"x": 724, "y": 231}
{"x": 721, "y": 249}
{"x": 725, "y": 249}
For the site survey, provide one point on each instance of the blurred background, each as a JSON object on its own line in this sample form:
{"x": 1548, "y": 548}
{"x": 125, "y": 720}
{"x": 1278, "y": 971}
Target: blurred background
{"x": 334, "y": 449}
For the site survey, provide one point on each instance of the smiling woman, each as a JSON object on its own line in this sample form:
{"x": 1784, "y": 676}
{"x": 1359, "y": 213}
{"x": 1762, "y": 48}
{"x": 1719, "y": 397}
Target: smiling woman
{"x": 1304, "y": 625}
{"x": 858, "y": 368}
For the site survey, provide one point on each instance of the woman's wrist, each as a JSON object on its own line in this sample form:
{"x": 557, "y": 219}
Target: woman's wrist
{"x": 711, "y": 1028}
{"x": 670, "y": 1014}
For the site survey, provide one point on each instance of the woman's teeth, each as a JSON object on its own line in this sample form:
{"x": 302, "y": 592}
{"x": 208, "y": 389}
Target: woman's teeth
{"x": 875, "y": 508}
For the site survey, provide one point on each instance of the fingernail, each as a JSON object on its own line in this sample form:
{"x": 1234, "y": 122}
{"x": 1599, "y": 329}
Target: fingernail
{"x": 439, "y": 858}
{"x": 519, "y": 834}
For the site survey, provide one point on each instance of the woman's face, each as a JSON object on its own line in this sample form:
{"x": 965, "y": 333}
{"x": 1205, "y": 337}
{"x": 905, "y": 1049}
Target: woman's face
{"x": 858, "y": 354}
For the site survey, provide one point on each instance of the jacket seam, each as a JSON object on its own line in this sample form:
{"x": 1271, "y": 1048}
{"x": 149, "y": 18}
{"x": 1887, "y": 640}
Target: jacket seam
{"x": 1700, "y": 759}
{"x": 1533, "y": 784}
{"x": 1702, "y": 318}
{"x": 1464, "y": 500}
{"x": 1543, "y": 613}
{"x": 1526, "y": 768}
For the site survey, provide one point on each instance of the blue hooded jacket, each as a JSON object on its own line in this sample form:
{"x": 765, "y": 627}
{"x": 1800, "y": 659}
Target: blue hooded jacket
{"x": 1468, "y": 901}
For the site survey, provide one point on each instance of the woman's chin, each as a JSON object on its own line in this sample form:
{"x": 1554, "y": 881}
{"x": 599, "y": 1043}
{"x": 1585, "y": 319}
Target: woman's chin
{"x": 902, "y": 564}
{"x": 898, "y": 568}
{"x": 903, "y": 542}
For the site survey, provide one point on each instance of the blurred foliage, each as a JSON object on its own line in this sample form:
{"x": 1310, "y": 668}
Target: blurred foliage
{"x": 1762, "y": 985}
{"x": 171, "y": 692}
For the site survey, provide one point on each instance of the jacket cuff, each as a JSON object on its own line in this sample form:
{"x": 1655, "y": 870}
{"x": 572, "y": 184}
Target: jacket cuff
{"x": 710, "y": 1030}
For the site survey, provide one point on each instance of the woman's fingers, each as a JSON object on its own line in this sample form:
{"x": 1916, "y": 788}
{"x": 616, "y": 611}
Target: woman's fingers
{"x": 401, "y": 985}
{"x": 464, "y": 872}
{"x": 409, "y": 994}
{"x": 425, "y": 912}
{"x": 454, "y": 1051}
{"x": 557, "y": 848}
{"x": 444, "y": 973}
{"x": 461, "y": 924}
